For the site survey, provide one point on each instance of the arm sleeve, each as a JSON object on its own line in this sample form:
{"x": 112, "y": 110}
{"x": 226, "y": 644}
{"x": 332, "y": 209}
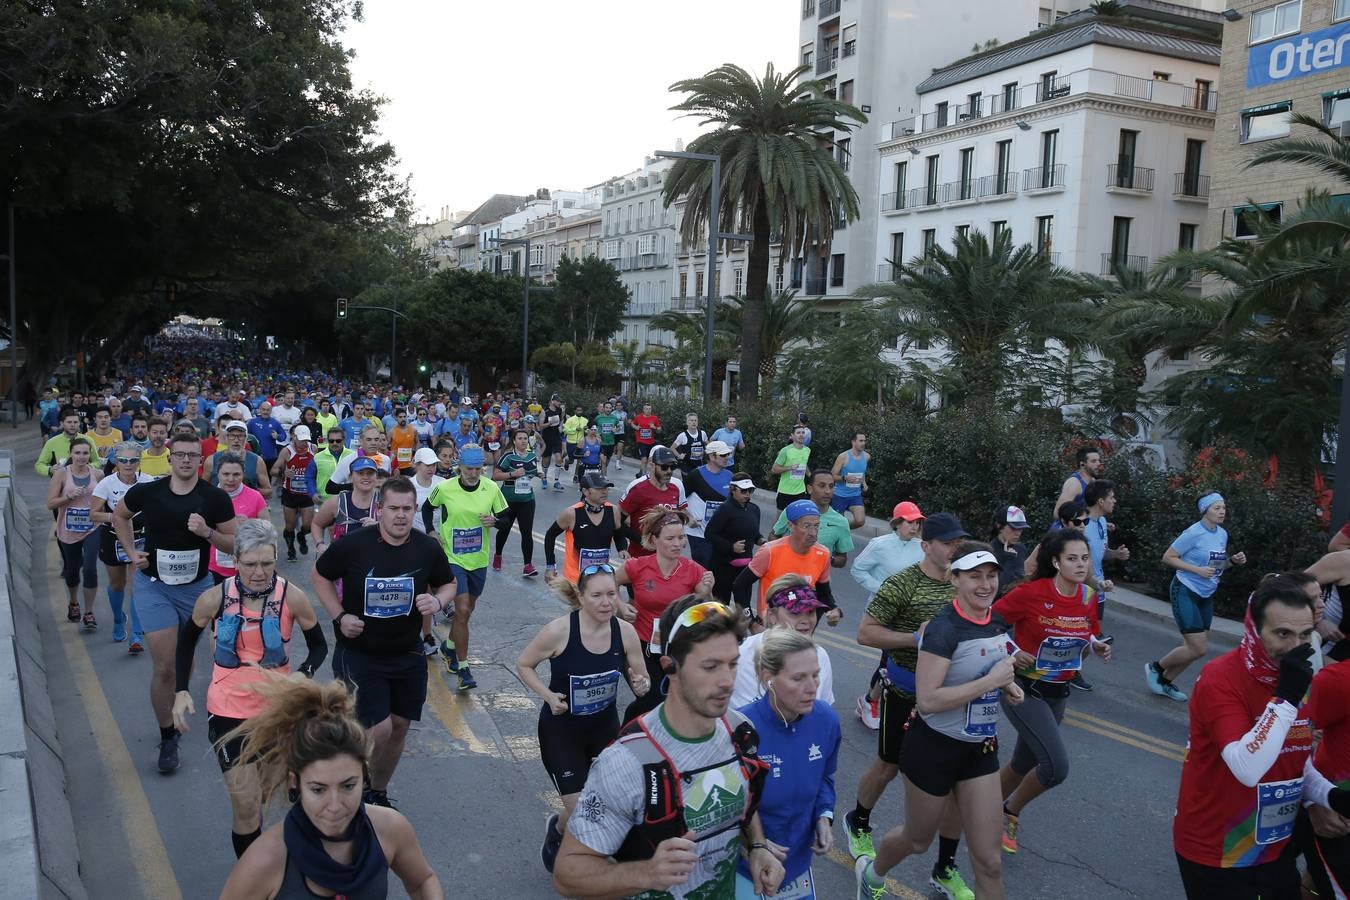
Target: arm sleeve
{"x": 620, "y": 538}
{"x": 742, "y": 587}
{"x": 1250, "y": 755}
{"x": 826, "y": 594}
{"x": 318, "y": 650}
{"x": 861, "y": 570}
{"x": 428, "y": 513}
{"x": 1316, "y": 787}
{"x": 311, "y": 478}
{"x": 188, "y": 633}
{"x": 551, "y": 540}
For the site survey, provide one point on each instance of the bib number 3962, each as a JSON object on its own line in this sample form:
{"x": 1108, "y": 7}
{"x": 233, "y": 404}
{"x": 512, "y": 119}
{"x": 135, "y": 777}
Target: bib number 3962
{"x": 591, "y": 694}
{"x": 1277, "y": 804}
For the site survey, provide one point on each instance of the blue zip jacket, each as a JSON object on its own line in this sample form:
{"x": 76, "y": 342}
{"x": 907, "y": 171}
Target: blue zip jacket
{"x": 802, "y": 756}
{"x": 271, "y": 435}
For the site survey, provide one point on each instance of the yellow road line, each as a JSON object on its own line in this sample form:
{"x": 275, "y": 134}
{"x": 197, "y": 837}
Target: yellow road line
{"x": 897, "y": 889}
{"x": 1125, "y": 739}
{"x": 1084, "y": 718}
{"x": 148, "y": 853}
{"x": 446, "y": 710}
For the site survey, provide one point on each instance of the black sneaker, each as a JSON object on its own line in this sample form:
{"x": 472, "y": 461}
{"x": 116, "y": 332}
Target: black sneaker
{"x": 552, "y": 843}
{"x": 302, "y": 544}
{"x": 290, "y": 554}
{"x": 378, "y": 798}
{"x": 168, "y": 755}
{"x": 1080, "y": 682}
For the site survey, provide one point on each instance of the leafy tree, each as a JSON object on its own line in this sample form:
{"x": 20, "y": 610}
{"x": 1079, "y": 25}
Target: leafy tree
{"x": 988, "y": 304}
{"x": 779, "y": 174}
{"x": 551, "y": 360}
{"x": 637, "y": 362}
{"x": 590, "y": 299}
{"x": 858, "y": 370}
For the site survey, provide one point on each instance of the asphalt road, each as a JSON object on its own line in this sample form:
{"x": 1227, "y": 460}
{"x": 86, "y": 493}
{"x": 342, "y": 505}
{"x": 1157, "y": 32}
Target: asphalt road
{"x": 472, "y": 785}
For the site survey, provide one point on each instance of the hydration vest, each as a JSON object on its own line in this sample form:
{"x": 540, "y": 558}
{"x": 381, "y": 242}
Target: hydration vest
{"x": 230, "y": 621}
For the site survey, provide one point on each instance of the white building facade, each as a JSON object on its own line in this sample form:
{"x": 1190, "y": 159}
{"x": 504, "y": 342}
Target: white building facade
{"x": 639, "y": 238}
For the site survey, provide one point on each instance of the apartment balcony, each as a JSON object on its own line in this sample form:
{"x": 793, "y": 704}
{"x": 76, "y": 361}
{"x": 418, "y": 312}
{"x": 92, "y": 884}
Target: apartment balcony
{"x": 829, "y": 8}
{"x": 1051, "y": 256}
{"x": 827, "y": 63}
{"x": 1191, "y": 186}
{"x": 926, "y": 197}
{"x": 888, "y": 272}
{"x": 1113, "y": 261}
{"x": 646, "y": 309}
{"x": 686, "y": 304}
{"x": 1045, "y": 178}
{"x": 1083, "y": 81}
{"x": 994, "y": 187}
{"x": 1129, "y": 179}
{"x": 955, "y": 193}
{"x": 808, "y": 8}
{"x": 894, "y": 202}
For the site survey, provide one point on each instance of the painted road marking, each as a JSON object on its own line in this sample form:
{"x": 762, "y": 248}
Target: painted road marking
{"x": 446, "y": 710}
{"x": 897, "y": 889}
{"x": 148, "y": 853}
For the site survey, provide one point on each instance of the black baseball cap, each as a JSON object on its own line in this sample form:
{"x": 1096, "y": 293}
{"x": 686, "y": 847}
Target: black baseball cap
{"x": 943, "y": 527}
{"x": 595, "y": 480}
{"x": 664, "y": 456}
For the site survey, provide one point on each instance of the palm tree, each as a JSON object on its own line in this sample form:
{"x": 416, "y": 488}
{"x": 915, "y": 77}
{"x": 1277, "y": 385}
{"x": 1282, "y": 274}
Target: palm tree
{"x": 988, "y": 303}
{"x": 775, "y": 139}
{"x": 635, "y": 360}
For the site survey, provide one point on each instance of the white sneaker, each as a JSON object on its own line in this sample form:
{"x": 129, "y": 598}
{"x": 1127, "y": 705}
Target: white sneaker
{"x": 868, "y": 712}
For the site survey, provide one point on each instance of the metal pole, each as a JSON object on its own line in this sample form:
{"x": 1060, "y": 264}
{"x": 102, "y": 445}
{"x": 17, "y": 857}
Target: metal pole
{"x": 1340, "y": 503}
{"x": 13, "y": 331}
{"x": 714, "y": 227}
{"x": 393, "y": 342}
{"x": 525, "y": 325}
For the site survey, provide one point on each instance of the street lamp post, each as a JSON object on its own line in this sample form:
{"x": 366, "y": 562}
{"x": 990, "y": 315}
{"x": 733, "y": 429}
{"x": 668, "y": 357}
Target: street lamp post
{"x": 714, "y": 235}
{"x": 525, "y": 319}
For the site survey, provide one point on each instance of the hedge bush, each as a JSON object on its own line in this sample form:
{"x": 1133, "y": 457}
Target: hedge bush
{"x": 974, "y": 461}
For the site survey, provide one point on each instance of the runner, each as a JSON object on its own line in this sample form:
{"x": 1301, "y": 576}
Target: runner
{"x": 850, "y": 480}
{"x": 590, "y": 651}
{"x": 620, "y": 432}
{"x": 658, "y": 580}
{"x": 881, "y": 558}
{"x": 126, "y": 458}
{"x": 155, "y": 458}
{"x": 1322, "y": 831}
{"x": 236, "y": 442}
{"x": 287, "y": 413}
{"x": 645, "y": 431}
{"x": 353, "y": 425}
{"x": 183, "y": 518}
{"x": 270, "y": 434}
{"x": 57, "y": 448}
{"x": 348, "y": 510}
{"x": 607, "y": 423}
{"x": 574, "y": 430}
{"x": 1089, "y": 467}
{"x": 835, "y": 530}
{"x": 403, "y": 442}
{"x": 297, "y": 492}
{"x": 894, "y": 617}
{"x": 733, "y": 535}
{"x": 517, "y": 468}
{"x": 590, "y": 454}
{"x": 70, "y": 495}
{"x": 706, "y": 488}
{"x": 370, "y": 443}
{"x": 703, "y": 766}
{"x": 102, "y": 435}
{"x": 647, "y": 492}
{"x": 1006, "y": 539}
{"x": 588, "y": 528}
{"x": 951, "y": 749}
{"x": 790, "y": 467}
{"x": 247, "y": 503}
{"x": 251, "y": 617}
{"x": 799, "y": 554}
{"x": 493, "y": 425}
{"x": 1200, "y": 555}
{"x": 1100, "y": 499}
{"x": 689, "y": 445}
{"x": 469, "y": 509}
{"x": 325, "y": 463}
{"x": 792, "y": 606}
{"x": 426, "y": 463}
{"x": 386, "y": 573}
{"x": 553, "y": 447}
{"x": 799, "y": 735}
{"x": 1054, "y": 624}
{"x": 306, "y": 741}
{"x": 730, "y": 435}
{"x": 1241, "y": 782}
{"x": 1332, "y": 573}
{"x": 1069, "y": 515}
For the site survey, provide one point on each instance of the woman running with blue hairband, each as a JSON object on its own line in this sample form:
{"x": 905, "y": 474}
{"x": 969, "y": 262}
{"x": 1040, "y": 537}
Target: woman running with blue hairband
{"x": 1199, "y": 554}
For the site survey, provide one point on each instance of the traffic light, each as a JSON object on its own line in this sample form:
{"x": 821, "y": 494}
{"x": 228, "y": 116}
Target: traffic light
{"x": 342, "y": 308}
{"x": 422, "y": 367}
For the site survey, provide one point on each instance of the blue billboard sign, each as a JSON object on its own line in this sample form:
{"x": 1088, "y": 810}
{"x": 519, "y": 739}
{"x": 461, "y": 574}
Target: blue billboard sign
{"x": 1299, "y": 55}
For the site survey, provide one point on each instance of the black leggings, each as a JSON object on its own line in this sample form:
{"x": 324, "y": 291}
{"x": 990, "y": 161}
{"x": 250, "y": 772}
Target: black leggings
{"x": 1328, "y": 858}
{"x": 80, "y": 558}
{"x": 522, "y": 514}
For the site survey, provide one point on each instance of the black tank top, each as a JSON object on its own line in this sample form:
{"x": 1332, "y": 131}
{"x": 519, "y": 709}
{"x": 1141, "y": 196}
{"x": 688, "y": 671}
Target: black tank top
{"x": 589, "y": 681}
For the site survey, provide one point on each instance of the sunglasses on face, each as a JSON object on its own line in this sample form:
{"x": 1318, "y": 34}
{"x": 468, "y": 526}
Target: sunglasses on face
{"x": 335, "y": 440}
{"x": 1079, "y": 522}
{"x": 126, "y": 460}
{"x": 663, "y": 468}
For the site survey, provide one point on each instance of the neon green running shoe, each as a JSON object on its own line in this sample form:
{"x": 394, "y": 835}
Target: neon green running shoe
{"x": 870, "y": 886}
{"x": 859, "y": 839}
{"x": 952, "y": 885}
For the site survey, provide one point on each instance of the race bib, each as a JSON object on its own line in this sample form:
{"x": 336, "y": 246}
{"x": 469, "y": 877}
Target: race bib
{"x": 387, "y": 598}
{"x": 297, "y": 484}
{"x": 1060, "y": 654}
{"x": 590, "y": 694}
{"x": 982, "y": 715}
{"x": 800, "y": 888}
{"x": 225, "y": 560}
{"x": 853, "y": 478}
{"x": 590, "y": 558}
{"x": 466, "y": 540}
{"x": 494, "y": 446}
{"x": 646, "y": 433}
{"x": 522, "y": 486}
{"x": 711, "y": 507}
{"x": 1219, "y": 560}
{"x": 696, "y": 451}
{"x": 798, "y": 471}
{"x": 405, "y": 455}
{"x": 1277, "y": 804}
{"x": 120, "y": 553}
{"x": 78, "y": 520}
{"x": 177, "y": 566}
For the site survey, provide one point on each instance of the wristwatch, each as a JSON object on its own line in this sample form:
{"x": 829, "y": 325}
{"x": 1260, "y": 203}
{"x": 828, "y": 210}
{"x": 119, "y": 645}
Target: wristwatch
{"x": 337, "y": 620}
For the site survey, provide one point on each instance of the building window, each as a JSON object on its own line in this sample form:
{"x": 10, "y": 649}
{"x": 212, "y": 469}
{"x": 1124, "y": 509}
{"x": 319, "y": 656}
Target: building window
{"x": 717, "y": 283}
{"x": 1120, "y": 239}
{"x": 898, "y": 248}
{"x": 1047, "y": 85}
{"x": 684, "y": 284}
{"x": 941, "y": 114}
{"x": 1045, "y": 235}
{"x": 901, "y": 174}
{"x": 738, "y": 280}
{"x": 1261, "y": 123}
{"x": 998, "y": 227}
{"x": 966, "y": 185}
{"x": 1010, "y": 96}
{"x": 1204, "y": 94}
{"x": 1049, "y": 148}
{"x": 842, "y": 152}
{"x": 808, "y": 54}
{"x": 931, "y": 188}
{"x": 613, "y": 249}
{"x": 1162, "y": 76}
{"x": 778, "y": 280}
{"x": 846, "y": 92}
{"x": 1342, "y": 10}
{"x": 837, "y": 270}
{"x": 1275, "y": 21}
{"x": 1186, "y": 236}
{"x": 962, "y": 230}
{"x": 1003, "y": 168}
{"x": 1245, "y": 218}
{"x": 850, "y": 40}
{"x": 1336, "y": 105}
{"x": 698, "y": 284}
{"x": 646, "y": 244}
{"x": 797, "y": 272}
{"x": 929, "y": 241}
{"x": 974, "y": 102}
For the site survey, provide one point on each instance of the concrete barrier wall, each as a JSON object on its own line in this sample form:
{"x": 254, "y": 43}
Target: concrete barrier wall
{"x": 38, "y": 860}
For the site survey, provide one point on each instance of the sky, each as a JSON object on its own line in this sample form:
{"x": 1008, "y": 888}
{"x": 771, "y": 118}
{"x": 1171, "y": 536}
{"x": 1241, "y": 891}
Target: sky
{"x": 509, "y": 96}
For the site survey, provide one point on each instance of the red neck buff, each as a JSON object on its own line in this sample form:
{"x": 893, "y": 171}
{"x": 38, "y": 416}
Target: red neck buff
{"x": 1254, "y": 656}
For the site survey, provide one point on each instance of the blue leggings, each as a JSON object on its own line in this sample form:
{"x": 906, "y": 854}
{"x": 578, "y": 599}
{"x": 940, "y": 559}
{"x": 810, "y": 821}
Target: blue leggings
{"x": 80, "y": 559}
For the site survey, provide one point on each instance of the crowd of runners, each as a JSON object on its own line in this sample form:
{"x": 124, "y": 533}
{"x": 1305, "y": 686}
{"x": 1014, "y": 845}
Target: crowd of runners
{"x": 717, "y": 780}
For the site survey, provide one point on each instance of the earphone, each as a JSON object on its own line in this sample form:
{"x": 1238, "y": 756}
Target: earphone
{"x": 668, "y": 668}
{"x": 770, "y": 684}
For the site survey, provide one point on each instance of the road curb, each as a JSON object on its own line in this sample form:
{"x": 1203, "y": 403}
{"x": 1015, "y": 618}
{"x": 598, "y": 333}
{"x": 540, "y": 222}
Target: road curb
{"x": 38, "y": 854}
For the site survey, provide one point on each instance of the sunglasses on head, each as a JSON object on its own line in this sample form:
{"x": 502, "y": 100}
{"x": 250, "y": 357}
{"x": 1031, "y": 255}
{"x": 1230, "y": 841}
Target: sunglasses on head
{"x": 598, "y": 567}
{"x": 694, "y": 615}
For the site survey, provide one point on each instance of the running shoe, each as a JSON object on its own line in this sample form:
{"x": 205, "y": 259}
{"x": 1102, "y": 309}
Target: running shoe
{"x": 73, "y": 612}
{"x": 869, "y": 712}
{"x": 1153, "y": 678}
{"x": 119, "y": 631}
{"x": 303, "y": 544}
{"x": 557, "y": 486}
{"x": 552, "y": 843}
{"x": 372, "y": 797}
{"x": 1080, "y": 682}
{"x": 1010, "y": 823}
{"x": 618, "y": 465}
{"x": 89, "y": 622}
{"x": 290, "y": 554}
{"x": 859, "y": 839}
{"x": 497, "y": 562}
{"x": 529, "y": 571}
{"x": 1172, "y": 692}
{"x": 466, "y": 679}
{"x": 870, "y": 887}
{"x": 168, "y": 755}
{"x": 137, "y": 644}
{"x": 429, "y": 647}
{"x": 951, "y": 884}
{"x": 450, "y": 656}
